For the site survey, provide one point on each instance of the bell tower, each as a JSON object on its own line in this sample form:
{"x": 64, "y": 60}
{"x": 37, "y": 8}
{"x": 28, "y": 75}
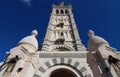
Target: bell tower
{"x": 62, "y": 33}
{"x": 62, "y": 53}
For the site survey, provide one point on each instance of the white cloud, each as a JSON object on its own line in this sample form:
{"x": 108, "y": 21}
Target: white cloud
{"x": 28, "y": 2}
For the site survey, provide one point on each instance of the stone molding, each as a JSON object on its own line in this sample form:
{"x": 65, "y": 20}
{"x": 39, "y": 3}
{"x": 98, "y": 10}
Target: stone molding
{"x": 62, "y": 54}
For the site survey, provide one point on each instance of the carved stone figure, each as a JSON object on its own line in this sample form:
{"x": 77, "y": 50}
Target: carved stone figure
{"x": 95, "y": 41}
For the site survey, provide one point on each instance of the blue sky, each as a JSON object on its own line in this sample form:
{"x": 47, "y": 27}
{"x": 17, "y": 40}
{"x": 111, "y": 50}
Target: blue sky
{"x": 19, "y": 17}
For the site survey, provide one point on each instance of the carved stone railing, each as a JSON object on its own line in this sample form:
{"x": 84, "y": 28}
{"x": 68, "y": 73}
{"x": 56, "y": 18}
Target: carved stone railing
{"x": 62, "y": 54}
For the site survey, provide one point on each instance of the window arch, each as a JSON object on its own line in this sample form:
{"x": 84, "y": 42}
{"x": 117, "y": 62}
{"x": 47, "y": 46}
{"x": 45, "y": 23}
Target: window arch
{"x": 57, "y": 11}
{"x": 62, "y": 73}
{"x": 61, "y": 33}
{"x": 66, "y": 11}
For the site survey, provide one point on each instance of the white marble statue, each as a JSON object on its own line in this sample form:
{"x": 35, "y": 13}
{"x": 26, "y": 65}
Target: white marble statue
{"x": 95, "y": 41}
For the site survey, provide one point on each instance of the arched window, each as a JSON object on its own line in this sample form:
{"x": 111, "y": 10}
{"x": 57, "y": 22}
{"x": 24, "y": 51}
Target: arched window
{"x": 62, "y": 73}
{"x": 57, "y": 11}
{"x": 62, "y": 12}
{"x": 66, "y": 11}
{"x": 61, "y": 33}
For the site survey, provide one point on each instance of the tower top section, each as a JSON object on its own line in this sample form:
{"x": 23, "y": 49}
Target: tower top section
{"x": 62, "y": 33}
{"x": 62, "y": 5}
{"x": 61, "y": 9}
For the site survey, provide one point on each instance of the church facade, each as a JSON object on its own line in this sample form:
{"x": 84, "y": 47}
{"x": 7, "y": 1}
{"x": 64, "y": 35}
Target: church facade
{"x": 62, "y": 53}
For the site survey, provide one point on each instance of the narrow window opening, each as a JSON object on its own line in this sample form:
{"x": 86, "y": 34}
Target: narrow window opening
{"x": 61, "y": 33}
{"x": 62, "y": 12}
{"x": 66, "y": 11}
{"x": 57, "y": 11}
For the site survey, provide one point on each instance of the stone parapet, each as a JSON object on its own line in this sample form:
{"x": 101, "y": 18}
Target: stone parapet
{"x": 63, "y": 54}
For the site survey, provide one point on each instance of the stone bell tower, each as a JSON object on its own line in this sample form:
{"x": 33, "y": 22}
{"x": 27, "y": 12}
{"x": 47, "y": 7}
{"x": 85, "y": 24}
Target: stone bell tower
{"x": 62, "y": 33}
{"x": 62, "y": 53}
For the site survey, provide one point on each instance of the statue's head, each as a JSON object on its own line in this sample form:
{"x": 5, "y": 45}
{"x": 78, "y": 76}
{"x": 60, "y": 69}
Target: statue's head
{"x": 34, "y": 32}
{"x": 91, "y": 33}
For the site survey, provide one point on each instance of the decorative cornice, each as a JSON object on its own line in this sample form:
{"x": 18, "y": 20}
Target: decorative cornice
{"x": 63, "y": 54}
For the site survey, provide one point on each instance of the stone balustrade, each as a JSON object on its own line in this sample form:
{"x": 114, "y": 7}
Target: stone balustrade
{"x": 62, "y": 54}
